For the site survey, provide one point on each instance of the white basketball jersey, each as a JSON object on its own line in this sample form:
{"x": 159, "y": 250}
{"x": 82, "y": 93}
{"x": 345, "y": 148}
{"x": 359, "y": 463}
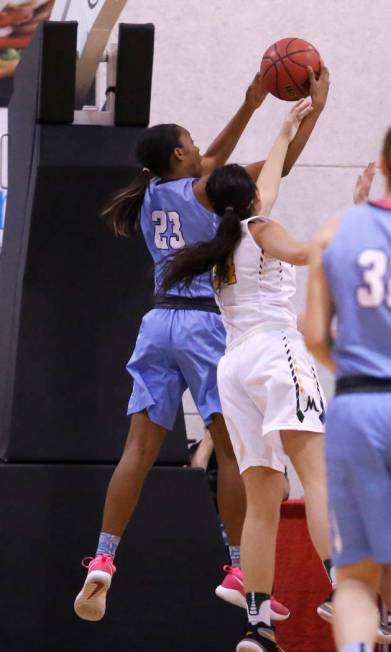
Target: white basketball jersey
{"x": 258, "y": 289}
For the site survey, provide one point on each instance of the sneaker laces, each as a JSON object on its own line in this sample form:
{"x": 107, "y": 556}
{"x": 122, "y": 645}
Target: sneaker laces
{"x": 86, "y": 561}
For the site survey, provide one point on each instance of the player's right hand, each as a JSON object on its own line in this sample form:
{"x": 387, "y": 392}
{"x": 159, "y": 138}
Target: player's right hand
{"x": 255, "y": 93}
{"x": 319, "y": 88}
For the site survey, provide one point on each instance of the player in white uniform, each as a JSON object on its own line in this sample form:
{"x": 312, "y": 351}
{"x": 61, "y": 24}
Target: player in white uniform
{"x": 271, "y": 397}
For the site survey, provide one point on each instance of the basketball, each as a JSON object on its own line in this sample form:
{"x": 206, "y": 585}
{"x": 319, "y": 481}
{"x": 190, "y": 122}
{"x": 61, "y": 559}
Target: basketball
{"x": 284, "y": 68}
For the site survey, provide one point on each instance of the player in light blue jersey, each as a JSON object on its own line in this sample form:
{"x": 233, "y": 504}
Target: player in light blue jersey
{"x": 182, "y": 338}
{"x": 350, "y": 277}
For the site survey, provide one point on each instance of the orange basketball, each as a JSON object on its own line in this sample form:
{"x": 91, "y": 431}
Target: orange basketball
{"x": 284, "y": 68}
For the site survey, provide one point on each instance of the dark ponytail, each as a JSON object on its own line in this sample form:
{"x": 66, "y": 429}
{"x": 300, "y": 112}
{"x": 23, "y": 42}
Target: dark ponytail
{"x": 230, "y": 191}
{"x": 189, "y": 262}
{"x": 154, "y": 151}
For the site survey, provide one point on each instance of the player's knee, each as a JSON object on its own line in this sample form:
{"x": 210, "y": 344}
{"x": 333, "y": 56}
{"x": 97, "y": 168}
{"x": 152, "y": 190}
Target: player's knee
{"x": 264, "y": 511}
{"x": 141, "y": 453}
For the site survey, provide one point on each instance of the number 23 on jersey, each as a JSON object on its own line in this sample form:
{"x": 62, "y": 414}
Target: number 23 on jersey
{"x": 168, "y": 233}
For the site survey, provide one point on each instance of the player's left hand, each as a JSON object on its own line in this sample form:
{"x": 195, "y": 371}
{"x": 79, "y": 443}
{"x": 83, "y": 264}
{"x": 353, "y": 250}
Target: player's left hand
{"x": 364, "y": 183}
{"x": 292, "y": 121}
{"x": 319, "y": 88}
{"x": 256, "y": 93}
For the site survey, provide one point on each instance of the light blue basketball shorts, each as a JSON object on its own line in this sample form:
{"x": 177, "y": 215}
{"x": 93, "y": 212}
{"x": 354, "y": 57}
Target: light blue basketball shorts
{"x": 175, "y": 350}
{"x": 358, "y": 453}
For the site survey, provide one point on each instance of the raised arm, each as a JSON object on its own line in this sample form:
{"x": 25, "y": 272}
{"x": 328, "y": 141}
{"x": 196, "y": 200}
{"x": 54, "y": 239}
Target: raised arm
{"x": 319, "y": 89}
{"x": 269, "y": 179}
{"x": 277, "y": 243}
{"x": 223, "y": 145}
{"x": 320, "y": 310}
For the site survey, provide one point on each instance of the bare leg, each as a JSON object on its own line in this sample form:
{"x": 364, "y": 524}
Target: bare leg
{"x": 231, "y": 497}
{"x": 305, "y": 449}
{"x": 357, "y": 585}
{"x": 141, "y": 450}
{"x": 264, "y": 491}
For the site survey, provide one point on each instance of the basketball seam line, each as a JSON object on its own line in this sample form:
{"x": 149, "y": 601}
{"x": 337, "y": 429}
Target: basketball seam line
{"x": 290, "y": 43}
{"x": 286, "y": 56}
{"x": 275, "y": 65}
{"x": 287, "y": 72}
{"x": 292, "y": 79}
{"x": 302, "y": 65}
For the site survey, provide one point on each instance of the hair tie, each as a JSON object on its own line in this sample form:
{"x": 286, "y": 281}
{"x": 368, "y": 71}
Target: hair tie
{"x": 146, "y": 170}
{"x": 229, "y": 209}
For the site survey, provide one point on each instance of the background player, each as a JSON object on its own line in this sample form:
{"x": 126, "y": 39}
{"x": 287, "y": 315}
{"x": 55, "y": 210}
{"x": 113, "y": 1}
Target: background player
{"x": 350, "y": 276}
{"x": 266, "y": 378}
{"x": 182, "y": 339}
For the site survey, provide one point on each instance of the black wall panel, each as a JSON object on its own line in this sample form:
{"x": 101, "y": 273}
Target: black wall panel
{"x": 134, "y": 74}
{"x": 82, "y": 297}
{"x": 71, "y": 295}
{"x": 169, "y": 562}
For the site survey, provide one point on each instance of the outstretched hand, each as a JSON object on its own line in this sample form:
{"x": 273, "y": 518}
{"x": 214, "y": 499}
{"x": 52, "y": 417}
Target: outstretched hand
{"x": 319, "y": 88}
{"x": 364, "y": 183}
{"x": 256, "y": 92}
{"x": 295, "y": 116}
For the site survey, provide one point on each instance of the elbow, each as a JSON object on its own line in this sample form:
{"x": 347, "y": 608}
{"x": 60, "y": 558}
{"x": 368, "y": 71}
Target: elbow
{"x": 286, "y": 169}
{"x": 302, "y": 259}
{"x": 298, "y": 258}
{"x": 321, "y": 351}
{"x": 315, "y": 347}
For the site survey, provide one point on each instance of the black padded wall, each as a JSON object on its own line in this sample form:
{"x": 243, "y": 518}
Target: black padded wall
{"x": 134, "y": 74}
{"x": 71, "y": 294}
{"x": 83, "y": 294}
{"x": 169, "y": 563}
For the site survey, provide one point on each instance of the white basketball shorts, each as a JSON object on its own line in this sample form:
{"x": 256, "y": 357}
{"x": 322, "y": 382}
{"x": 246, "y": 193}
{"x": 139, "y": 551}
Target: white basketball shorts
{"x": 267, "y": 383}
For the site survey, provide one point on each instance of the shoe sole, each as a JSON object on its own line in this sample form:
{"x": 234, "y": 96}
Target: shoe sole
{"x": 90, "y": 603}
{"x": 382, "y": 639}
{"x": 325, "y": 615}
{"x": 236, "y": 598}
{"x": 250, "y": 646}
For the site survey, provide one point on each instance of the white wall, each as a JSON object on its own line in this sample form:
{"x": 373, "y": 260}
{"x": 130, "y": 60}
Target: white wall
{"x": 207, "y": 51}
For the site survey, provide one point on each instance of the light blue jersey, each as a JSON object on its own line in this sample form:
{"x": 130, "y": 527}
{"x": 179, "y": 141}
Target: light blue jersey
{"x": 176, "y": 348}
{"x": 358, "y": 437}
{"x": 172, "y": 217}
{"x": 358, "y": 268}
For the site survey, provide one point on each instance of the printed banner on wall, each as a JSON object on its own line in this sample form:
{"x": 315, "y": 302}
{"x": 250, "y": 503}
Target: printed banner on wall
{"x": 18, "y": 21}
{"x": 20, "y": 18}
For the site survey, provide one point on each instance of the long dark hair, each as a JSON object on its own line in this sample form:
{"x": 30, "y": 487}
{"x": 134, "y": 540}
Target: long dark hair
{"x": 154, "y": 151}
{"x": 231, "y": 191}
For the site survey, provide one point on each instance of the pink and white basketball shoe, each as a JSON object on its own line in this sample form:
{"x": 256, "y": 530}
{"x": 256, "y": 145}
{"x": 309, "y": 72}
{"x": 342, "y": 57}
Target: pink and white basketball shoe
{"x": 231, "y": 590}
{"x": 90, "y": 604}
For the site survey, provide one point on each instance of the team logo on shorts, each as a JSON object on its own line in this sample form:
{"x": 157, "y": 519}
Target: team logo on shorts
{"x": 299, "y": 388}
{"x": 311, "y": 405}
